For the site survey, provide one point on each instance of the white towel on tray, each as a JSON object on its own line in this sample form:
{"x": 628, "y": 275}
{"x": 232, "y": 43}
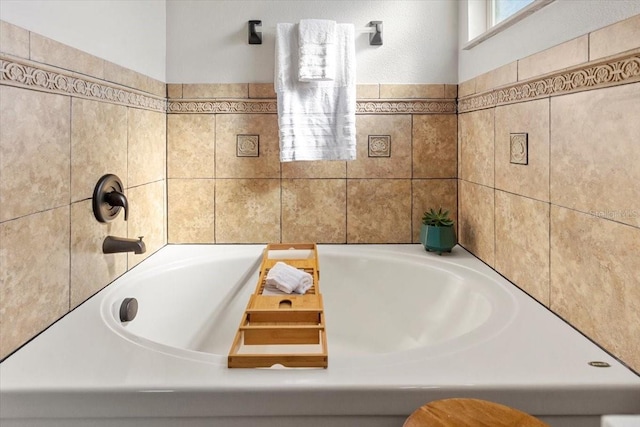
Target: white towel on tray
{"x": 316, "y": 50}
{"x": 288, "y": 279}
{"x": 317, "y": 120}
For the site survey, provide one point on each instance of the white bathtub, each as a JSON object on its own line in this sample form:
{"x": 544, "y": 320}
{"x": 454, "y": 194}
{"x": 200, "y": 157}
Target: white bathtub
{"x": 404, "y": 327}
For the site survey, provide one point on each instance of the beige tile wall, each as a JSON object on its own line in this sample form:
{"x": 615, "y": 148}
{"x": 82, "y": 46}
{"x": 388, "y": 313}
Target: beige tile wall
{"x": 542, "y": 225}
{"x": 258, "y": 199}
{"x": 53, "y": 148}
{"x": 566, "y": 226}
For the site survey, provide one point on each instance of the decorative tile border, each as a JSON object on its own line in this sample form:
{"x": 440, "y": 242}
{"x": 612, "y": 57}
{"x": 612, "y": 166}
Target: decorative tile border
{"x": 597, "y": 75}
{"x": 222, "y": 106}
{"x": 418, "y": 106}
{"x": 32, "y": 75}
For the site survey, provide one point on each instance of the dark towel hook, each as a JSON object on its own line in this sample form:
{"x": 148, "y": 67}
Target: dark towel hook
{"x": 375, "y": 38}
{"x": 254, "y": 36}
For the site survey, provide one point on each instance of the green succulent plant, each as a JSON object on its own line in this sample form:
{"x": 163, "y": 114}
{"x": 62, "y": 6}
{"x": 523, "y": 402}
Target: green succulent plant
{"x": 437, "y": 218}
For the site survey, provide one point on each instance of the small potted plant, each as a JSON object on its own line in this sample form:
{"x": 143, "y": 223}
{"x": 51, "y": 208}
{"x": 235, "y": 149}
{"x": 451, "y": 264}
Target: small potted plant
{"x": 437, "y": 233}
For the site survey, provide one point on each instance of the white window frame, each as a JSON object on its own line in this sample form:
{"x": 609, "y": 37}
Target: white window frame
{"x": 492, "y": 30}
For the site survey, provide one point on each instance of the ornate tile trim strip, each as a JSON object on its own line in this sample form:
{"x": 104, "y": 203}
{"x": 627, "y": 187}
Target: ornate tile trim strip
{"x": 597, "y": 75}
{"x": 230, "y": 106}
{"x": 477, "y": 102}
{"x": 222, "y": 106}
{"x": 422, "y": 106}
{"x": 47, "y": 79}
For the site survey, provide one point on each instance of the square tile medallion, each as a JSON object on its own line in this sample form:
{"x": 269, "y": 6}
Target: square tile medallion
{"x": 519, "y": 153}
{"x": 379, "y": 146}
{"x": 247, "y": 145}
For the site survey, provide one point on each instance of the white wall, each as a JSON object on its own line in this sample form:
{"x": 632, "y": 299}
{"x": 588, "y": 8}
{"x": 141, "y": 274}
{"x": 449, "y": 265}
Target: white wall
{"x": 130, "y": 33}
{"x": 207, "y": 40}
{"x": 558, "y": 22}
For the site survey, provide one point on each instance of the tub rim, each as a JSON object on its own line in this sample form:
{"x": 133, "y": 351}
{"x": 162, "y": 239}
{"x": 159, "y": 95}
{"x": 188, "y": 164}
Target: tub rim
{"x": 503, "y": 305}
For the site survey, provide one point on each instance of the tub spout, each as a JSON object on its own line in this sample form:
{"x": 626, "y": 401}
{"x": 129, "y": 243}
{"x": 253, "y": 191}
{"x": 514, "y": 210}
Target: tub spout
{"x": 112, "y": 245}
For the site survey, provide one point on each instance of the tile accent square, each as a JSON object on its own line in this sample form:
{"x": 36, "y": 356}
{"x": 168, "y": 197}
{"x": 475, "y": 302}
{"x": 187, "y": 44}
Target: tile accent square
{"x": 379, "y": 146}
{"x": 247, "y": 145}
{"x": 533, "y": 180}
{"x": 394, "y": 127}
{"x": 519, "y": 153}
{"x": 229, "y": 164}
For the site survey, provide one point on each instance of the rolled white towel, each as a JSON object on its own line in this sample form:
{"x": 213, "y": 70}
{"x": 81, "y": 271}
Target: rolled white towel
{"x": 288, "y": 279}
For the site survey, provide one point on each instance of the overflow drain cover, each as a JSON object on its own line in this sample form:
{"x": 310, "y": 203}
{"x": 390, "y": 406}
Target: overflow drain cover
{"x": 128, "y": 309}
{"x": 599, "y": 364}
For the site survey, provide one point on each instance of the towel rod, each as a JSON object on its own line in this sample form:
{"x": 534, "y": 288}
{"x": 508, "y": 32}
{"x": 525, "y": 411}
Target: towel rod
{"x": 374, "y": 28}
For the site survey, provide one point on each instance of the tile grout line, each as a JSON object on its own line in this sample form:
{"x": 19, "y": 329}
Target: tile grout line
{"x": 126, "y": 189}
{"x": 494, "y": 189}
{"x": 215, "y": 177}
{"x": 70, "y": 204}
{"x": 411, "y": 219}
{"x": 166, "y": 169}
{"x": 346, "y": 206}
{"x": 549, "y": 215}
{"x": 281, "y": 198}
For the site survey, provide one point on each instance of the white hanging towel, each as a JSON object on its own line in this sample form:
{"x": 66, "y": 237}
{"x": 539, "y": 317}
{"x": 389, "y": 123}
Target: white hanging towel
{"x": 317, "y": 120}
{"x": 316, "y": 50}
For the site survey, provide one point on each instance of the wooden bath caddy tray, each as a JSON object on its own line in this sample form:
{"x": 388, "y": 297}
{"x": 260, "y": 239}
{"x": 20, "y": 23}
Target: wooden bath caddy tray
{"x": 278, "y": 328}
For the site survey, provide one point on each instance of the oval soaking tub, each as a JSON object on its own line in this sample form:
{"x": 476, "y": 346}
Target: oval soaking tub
{"x": 404, "y": 327}
{"x": 377, "y": 306}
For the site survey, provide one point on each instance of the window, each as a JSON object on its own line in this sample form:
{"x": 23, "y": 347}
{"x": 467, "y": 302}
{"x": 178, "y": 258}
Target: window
{"x": 499, "y": 10}
{"x": 486, "y": 18}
